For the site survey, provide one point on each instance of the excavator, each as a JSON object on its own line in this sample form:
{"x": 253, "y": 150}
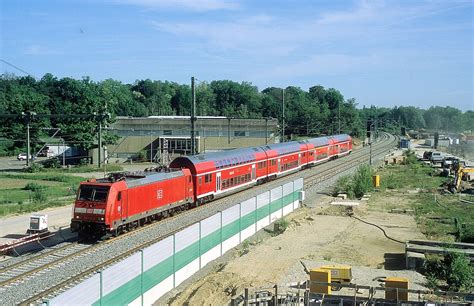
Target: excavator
{"x": 460, "y": 171}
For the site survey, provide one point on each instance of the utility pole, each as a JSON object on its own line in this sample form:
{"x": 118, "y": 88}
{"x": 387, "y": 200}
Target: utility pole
{"x": 28, "y": 117}
{"x": 28, "y": 151}
{"x": 228, "y": 129}
{"x": 100, "y": 143}
{"x": 266, "y": 130}
{"x": 193, "y": 117}
{"x": 283, "y": 116}
{"x": 339, "y": 117}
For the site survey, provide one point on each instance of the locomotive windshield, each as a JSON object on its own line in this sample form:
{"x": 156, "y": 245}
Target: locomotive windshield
{"x": 93, "y": 193}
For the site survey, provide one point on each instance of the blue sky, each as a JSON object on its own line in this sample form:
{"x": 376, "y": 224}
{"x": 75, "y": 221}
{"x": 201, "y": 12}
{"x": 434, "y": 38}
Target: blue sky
{"x": 383, "y": 53}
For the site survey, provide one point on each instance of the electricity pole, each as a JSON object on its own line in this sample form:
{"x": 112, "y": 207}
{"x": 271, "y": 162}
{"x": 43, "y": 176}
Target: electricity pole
{"x": 193, "y": 117}
{"x": 28, "y": 117}
{"x": 283, "y": 116}
{"x": 339, "y": 117}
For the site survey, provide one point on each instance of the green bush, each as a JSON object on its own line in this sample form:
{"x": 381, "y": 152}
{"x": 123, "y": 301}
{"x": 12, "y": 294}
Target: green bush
{"x": 362, "y": 181}
{"x": 34, "y": 168}
{"x": 391, "y": 182}
{"x": 454, "y": 268}
{"x": 281, "y": 226}
{"x": 33, "y": 186}
{"x": 410, "y": 158}
{"x": 39, "y": 196}
{"x": 52, "y": 163}
{"x": 458, "y": 271}
{"x": 344, "y": 185}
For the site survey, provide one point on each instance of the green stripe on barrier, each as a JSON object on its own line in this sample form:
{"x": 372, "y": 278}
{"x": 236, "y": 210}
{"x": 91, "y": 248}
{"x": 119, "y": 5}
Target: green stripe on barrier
{"x": 123, "y": 295}
{"x": 275, "y": 205}
{"x": 288, "y": 199}
{"x": 158, "y": 273}
{"x": 186, "y": 255}
{"x": 210, "y": 241}
{"x": 262, "y": 212}
{"x": 230, "y": 229}
{"x": 247, "y": 220}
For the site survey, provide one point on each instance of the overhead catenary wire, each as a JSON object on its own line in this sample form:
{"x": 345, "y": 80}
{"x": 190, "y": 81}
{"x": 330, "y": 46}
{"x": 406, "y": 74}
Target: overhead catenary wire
{"x": 17, "y": 68}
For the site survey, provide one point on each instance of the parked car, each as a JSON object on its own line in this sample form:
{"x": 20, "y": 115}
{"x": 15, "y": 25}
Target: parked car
{"x": 436, "y": 157}
{"x": 22, "y": 156}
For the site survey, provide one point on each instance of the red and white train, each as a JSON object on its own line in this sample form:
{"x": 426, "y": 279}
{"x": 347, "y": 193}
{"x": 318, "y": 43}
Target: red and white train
{"x": 123, "y": 201}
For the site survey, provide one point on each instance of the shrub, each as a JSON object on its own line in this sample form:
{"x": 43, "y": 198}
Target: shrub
{"x": 362, "y": 180}
{"x": 245, "y": 248}
{"x": 35, "y": 167}
{"x": 391, "y": 182}
{"x": 52, "y": 163}
{"x": 84, "y": 162}
{"x": 454, "y": 268}
{"x": 33, "y": 186}
{"x": 281, "y": 226}
{"x": 410, "y": 158}
{"x": 458, "y": 271}
{"x": 39, "y": 196}
{"x": 343, "y": 185}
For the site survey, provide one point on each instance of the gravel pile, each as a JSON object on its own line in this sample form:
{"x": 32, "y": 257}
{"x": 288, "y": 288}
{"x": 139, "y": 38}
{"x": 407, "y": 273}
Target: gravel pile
{"x": 48, "y": 278}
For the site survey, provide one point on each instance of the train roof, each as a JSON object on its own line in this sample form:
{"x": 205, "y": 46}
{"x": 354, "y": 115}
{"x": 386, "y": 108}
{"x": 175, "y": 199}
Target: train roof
{"x": 284, "y": 147}
{"x": 220, "y": 159}
{"x": 215, "y": 160}
{"x": 133, "y": 179}
{"x": 318, "y": 142}
{"x": 341, "y": 137}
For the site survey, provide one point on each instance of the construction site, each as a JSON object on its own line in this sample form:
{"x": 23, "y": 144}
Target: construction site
{"x": 335, "y": 250}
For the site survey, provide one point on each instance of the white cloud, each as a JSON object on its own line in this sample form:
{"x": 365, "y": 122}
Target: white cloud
{"x": 194, "y": 5}
{"x": 36, "y": 49}
{"x": 369, "y": 35}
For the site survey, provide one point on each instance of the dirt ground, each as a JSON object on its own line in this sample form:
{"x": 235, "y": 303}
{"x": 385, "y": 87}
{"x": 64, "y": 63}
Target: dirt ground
{"x": 319, "y": 232}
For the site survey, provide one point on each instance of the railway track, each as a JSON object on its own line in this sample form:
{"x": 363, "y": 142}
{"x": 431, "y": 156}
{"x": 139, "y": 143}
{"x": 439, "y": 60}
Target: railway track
{"x": 13, "y": 274}
{"x": 21, "y": 283}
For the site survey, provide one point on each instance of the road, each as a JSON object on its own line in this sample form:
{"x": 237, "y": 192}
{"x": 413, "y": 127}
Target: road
{"x": 11, "y": 163}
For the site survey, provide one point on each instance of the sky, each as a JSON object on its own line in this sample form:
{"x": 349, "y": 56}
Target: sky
{"x": 383, "y": 53}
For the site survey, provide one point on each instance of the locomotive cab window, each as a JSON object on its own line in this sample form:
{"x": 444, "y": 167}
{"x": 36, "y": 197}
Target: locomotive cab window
{"x": 93, "y": 193}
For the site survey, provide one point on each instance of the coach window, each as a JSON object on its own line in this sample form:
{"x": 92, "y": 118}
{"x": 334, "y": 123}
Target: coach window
{"x": 119, "y": 196}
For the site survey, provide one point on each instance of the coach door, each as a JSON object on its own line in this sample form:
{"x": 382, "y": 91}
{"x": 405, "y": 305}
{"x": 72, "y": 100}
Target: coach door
{"x": 218, "y": 181}
{"x": 279, "y": 165}
{"x": 299, "y": 159}
{"x": 254, "y": 175}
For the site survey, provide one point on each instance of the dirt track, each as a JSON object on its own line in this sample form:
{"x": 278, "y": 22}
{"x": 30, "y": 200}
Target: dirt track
{"x": 320, "y": 232}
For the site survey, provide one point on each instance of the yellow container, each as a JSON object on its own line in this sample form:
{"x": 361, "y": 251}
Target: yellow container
{"x": 340, "y": 274}
{"x": 396, "y": 282}
{"x": 319, "y": 275}
{"x": 376, "y": 180}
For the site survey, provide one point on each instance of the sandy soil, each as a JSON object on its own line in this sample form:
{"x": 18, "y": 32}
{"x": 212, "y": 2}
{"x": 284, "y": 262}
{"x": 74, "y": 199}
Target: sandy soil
{"x": 321, "y": 232}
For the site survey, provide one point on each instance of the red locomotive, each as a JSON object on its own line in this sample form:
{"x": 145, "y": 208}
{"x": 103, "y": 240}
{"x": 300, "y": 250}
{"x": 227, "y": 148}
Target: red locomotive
{"x": 124, "y": 201}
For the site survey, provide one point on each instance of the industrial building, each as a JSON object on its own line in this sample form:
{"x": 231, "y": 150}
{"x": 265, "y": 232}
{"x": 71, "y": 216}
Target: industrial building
{"x": 161, "y": 138}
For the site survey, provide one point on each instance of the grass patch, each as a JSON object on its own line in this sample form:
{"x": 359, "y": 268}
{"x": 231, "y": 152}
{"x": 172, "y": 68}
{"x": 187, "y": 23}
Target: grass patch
{"x": 86, "y": 169}
{"x": 29, "y": 192}
{"x": 442, "y": 217}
